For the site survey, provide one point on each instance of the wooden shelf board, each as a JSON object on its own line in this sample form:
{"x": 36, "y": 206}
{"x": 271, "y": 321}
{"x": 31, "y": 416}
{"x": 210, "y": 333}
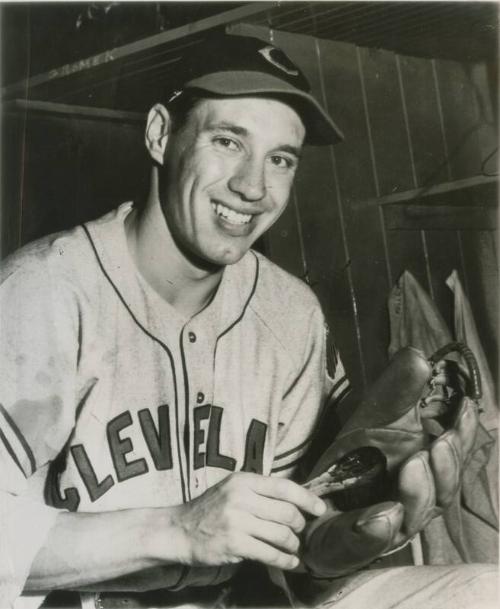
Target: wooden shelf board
{"x": 22, "y": 105}
{"x": 440, "y": 217}
{"x": 462, "y": 191}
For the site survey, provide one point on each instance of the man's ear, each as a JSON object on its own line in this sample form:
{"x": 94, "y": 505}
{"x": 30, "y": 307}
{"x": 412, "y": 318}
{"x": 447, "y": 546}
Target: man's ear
{"x": 157, "y": 130}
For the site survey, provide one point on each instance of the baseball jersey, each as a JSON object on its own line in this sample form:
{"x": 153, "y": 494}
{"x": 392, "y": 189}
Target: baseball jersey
{"x": 112, "y": 399}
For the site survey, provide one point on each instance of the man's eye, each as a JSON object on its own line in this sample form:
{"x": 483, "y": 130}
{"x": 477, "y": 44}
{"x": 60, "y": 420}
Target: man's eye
{"x": 226, "y": 142}
{"x": 282, "y": 162}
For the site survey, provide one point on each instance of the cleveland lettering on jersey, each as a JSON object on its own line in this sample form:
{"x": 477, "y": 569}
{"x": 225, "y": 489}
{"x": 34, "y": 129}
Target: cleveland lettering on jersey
{"x": 206, "y": 452}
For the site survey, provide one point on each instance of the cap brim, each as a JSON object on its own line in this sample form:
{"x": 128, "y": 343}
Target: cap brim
{"x": 320, "y": 129}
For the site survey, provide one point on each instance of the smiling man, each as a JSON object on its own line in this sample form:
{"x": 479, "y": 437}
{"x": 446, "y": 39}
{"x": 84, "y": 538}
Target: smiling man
{"x": 161, "y": 381}
{"x": 226, "y": 177}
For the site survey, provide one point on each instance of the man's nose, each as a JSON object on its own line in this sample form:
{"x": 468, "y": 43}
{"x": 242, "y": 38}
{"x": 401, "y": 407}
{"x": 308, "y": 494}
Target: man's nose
{"x": 249, "y": 180}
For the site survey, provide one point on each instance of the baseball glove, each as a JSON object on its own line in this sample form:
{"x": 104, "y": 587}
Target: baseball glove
{"x": 396, "y": 463}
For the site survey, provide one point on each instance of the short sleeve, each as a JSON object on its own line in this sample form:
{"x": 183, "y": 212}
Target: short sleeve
{"x": 38, "y": 352}
{"x": 320, "y": 381}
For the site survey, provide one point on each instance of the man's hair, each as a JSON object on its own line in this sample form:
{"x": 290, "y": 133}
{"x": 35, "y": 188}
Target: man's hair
{"x": 181, "y": 107}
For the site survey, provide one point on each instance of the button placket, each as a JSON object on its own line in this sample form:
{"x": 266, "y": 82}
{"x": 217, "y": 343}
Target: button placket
{"x": 200, "y": 368}
{"x": 200, "y": 396}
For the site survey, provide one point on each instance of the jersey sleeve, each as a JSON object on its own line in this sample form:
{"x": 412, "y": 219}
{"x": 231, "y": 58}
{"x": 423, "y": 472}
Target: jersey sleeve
{"x": 320, "y": 383}
{"x": 38, "y": 347}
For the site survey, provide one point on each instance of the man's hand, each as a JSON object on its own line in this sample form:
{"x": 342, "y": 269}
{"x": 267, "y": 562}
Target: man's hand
{"x": 247, "y": 516}
{"x": 425, "y": 470}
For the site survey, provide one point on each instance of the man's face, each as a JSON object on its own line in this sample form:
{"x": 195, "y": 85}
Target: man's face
{"x": 229, "y": 172}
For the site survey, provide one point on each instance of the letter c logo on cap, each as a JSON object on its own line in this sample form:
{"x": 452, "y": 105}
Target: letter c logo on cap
{"x": 279, "y": 60}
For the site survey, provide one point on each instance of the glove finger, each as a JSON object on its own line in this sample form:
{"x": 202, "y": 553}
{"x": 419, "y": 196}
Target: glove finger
{"x": 446, "y": 463}
{"x": 350, "y": 540}
{"x": 382, "y": 521}
{"x": 417, "y": 493}
{"x": 466, "y": 424}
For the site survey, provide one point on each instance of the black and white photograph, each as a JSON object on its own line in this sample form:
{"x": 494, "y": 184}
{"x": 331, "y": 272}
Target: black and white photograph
{"x": 249, "y": 314}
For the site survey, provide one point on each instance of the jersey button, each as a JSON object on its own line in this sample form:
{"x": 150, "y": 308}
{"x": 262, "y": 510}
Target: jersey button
{"x": 200, "y": 398}
{"x": 192, "y": 337}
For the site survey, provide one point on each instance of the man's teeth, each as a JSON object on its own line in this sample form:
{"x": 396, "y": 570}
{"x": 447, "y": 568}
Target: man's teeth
{"x": 230, "y": 215}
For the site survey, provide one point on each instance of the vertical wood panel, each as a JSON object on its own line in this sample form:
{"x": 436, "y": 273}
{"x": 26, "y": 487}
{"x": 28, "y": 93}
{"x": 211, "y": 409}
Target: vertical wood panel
{"x": 444, "y": 256}
{"x": 406, "y": 252}
{"x": 386, "y": 120}
{"x": 342, "y": 298}
{"x": 424, "y": 122}
{"x": 409, "y": 249}
{"x": 356, "y": 182}
{"x": 392, "y": 156}
{"x": 283, "y": 243}
{"x": 461, "y": 122}
{"x": 389, "y": 162}
{"x": 486, "y": 114}
{"x": 351, "y": 161}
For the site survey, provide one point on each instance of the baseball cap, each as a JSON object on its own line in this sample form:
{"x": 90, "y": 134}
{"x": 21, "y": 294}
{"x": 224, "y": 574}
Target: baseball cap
{"x": 228, "y": 65}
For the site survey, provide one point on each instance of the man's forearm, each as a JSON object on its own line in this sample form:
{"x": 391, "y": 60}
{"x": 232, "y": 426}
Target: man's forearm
{"x": 85, "y": 548}
{"x": 239, "y": 518}
{"x": 153, "y": 578}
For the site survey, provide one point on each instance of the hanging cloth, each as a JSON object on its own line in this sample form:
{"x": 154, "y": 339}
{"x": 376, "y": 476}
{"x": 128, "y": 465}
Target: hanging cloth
{"x": 466, "y": 332}
{"x": 480, "y": 482}
{"x": 460, "y": 535}
{"x": 414, "y": 319}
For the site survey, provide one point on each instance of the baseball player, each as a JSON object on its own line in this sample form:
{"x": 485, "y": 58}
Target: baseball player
{"x": 161, "y": 381}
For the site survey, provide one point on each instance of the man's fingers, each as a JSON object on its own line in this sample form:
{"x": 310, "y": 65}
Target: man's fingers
{"x": 350, "y": 540}
{"x": 417, "y": 492}
{"x": 278, "y": 511}
{"x": 466, "y": 424}
{"x": 258, "y": 550}
{"x": 446, "y": 462}
{"x": 278, "y": 535}
{"x": 286, "y": 490}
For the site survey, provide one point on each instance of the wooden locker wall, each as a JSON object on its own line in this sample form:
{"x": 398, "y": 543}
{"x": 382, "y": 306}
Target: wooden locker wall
{"x": 61, "y": 170}
{"x": 408, "y": 123}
